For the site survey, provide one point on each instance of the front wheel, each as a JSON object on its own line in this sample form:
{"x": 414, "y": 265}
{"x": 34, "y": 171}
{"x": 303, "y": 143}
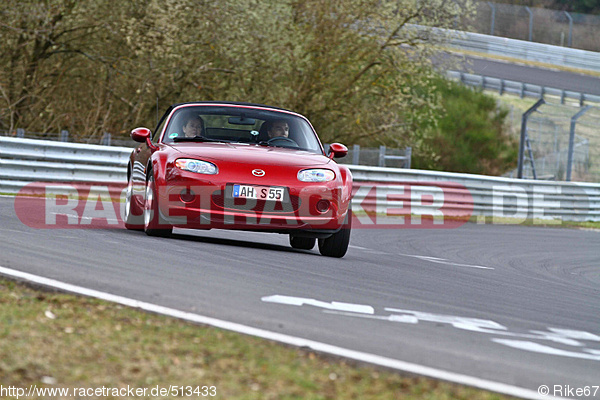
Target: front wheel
{"x": 336, "y": 245}
{"x": 153, "y": 226}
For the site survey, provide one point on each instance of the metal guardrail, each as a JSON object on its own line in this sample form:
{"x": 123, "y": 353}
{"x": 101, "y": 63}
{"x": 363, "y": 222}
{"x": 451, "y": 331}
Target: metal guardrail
{"x": 475, "y": 195}
{"x": 538, "y": 52}
{"x": 47, "y": 150}
{"x": 520, "y": 88}
{"x": 24, "y": 161}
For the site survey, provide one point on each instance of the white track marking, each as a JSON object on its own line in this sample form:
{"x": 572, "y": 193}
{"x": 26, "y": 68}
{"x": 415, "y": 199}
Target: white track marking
{"x": 367, "y": 250}
{"x": 282, "y": 338}
{"x": 444, "y": 261}
{"x": 334, "y": 305}
{"x": 540, "y": 348}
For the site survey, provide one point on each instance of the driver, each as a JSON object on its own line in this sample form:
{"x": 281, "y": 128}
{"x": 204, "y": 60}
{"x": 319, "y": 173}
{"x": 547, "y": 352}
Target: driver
{"x": 278, "y": 128}
{"x": 193, "y": 126}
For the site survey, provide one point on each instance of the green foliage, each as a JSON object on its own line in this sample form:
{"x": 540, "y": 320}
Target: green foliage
{"x": 354, "y": 67}
{"x": 469, "y": 135}
{"x": 359, "y": 70}
{"x": 580, "y": 6}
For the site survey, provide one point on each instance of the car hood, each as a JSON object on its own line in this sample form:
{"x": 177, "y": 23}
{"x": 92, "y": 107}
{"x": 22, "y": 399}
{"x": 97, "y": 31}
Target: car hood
{"x": 250, "y": 154}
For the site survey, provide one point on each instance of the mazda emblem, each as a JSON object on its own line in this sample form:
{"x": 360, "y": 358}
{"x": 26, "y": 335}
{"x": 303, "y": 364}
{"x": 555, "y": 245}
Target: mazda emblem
{"x": 258, "y": 172}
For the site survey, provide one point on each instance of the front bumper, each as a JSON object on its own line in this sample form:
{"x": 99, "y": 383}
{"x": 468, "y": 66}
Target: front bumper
{"x": 208, "y": 203}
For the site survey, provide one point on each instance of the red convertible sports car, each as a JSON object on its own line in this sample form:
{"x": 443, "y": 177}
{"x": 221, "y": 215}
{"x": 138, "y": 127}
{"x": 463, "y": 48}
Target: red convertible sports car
{"x": 239, "y": 166}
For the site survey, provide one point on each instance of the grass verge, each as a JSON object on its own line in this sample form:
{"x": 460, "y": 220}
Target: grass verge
{"x": 58, "y": 340}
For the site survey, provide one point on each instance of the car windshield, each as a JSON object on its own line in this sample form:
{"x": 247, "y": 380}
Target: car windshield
{"x": 210, "y": 123}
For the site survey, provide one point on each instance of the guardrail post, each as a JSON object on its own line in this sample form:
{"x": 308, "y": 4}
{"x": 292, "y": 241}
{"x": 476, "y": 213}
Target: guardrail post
{"x": 572, "y": 140}
{"x": 20, "y": 132}
{"x": 382, "y": 156}
{"x": 408, "y": 155}
{"x": 501, "y": 91}
{"x": 106, "y": 139}
{"x": 526, "y": 115}
{"x": 522, "y": 90}
{"x": 64, "y": 135}
{"x": 355, "y": 154}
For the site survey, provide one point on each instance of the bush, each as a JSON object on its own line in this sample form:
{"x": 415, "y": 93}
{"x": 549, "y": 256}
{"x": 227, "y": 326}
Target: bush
{"x": 467, "y": 135}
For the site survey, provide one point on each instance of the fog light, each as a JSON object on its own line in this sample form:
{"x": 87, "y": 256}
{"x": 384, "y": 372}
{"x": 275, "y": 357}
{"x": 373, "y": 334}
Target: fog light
{"x": 187, "y": 196}
{"x": 322, "y": 205}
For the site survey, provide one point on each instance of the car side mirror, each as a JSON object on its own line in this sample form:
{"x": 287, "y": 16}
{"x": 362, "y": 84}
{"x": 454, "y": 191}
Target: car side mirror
{"x": 142, "y": 135}
{"x": 337, "y": 150}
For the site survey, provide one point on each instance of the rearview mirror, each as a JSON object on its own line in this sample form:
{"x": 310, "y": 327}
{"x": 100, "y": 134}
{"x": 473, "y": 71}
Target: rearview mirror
{"x": 241, "y": 121}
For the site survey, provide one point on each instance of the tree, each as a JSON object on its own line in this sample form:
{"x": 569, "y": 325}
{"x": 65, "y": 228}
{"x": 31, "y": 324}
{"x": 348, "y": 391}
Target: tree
{"x": 54, "y": 69}
{"x": 359, "y": 69}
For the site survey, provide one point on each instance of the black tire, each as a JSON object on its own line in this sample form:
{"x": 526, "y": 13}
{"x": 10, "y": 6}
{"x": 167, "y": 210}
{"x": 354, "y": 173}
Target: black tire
{"x": 302, "y": 243}
{"x": 153, "y": 225}
{"x": 337, "y": 244}
{"x": 134, "y": 220}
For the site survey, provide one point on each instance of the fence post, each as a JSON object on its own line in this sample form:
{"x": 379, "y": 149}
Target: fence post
{"x": 530, "y": 23}
{"x": 355, "y": 154}
{"x": 408, "y": 155}
{"x": 570, "y": 40}
{"x": 493, "y": 7}
{"x": 572, "y": 140}
{"x": 524, "y": 135}
{"x": 382, "y": 156}
{"x": 64, "y": 135}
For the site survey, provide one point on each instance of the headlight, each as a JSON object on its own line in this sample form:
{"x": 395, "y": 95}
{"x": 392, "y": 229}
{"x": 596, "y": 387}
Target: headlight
{"x": 316, "y": 175}
{"x": 197, "y": 166}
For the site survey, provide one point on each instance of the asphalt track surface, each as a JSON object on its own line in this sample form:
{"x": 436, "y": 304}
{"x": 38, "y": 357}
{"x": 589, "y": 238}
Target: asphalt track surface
{"x": 511, "y": 304}
{"x": 554, "y": 78}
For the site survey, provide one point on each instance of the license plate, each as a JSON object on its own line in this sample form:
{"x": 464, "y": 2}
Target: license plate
{"x": 258, "y": 192}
